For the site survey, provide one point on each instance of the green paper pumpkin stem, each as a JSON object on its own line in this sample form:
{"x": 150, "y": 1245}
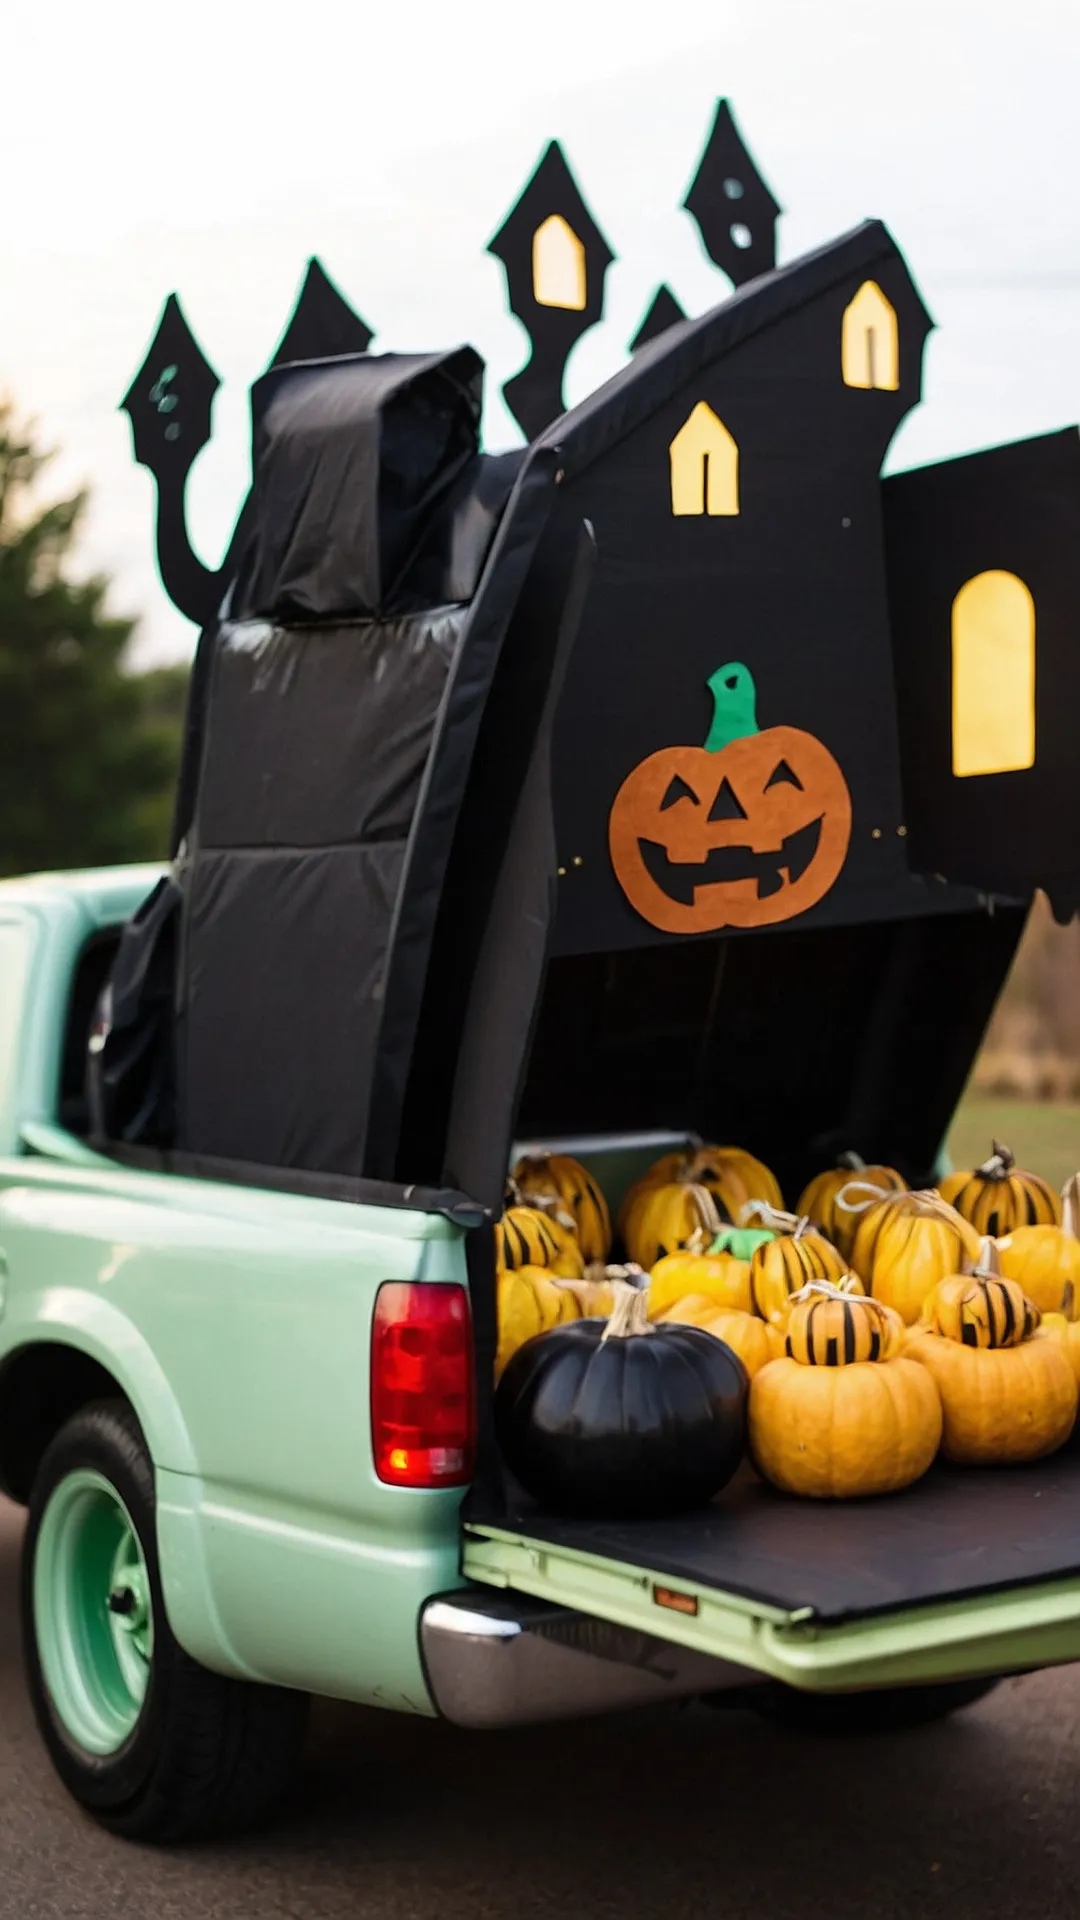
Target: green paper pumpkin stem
{"x": 735, "y": 697}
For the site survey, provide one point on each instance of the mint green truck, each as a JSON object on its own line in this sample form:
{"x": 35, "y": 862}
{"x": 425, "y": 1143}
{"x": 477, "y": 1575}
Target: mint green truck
{"x": 221, "y": 1520}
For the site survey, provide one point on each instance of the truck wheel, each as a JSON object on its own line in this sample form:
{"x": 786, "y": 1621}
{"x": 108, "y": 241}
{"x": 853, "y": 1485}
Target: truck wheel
{"x": 149, "y": 1742}
{"x": 890, "y": 1710}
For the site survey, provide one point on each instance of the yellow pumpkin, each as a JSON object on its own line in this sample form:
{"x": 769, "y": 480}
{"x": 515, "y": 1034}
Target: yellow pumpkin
{"x": 753, "y": 1340}
{"x": 781, "y": 1266}
{"x": 530, "y": 1237}
{"x": 823, "y": 1200}
{"x": 560, "y": 1177}
{"x": 998, "y": 1196}
{"x": 528, "y": 1301}
{"x": 732, "y": 1176}
{"x": 904, "y": 1245}
{"x": 834, "y": 1428}
{"x": 1046, "y": 1260}
{"x": 980, "y": 1310}
{"x": 1066, "y": 1331}
{"x": 1000, "y": 1404}
{"x": 724, "y": 1279}
{"x": 663, "y": 1219}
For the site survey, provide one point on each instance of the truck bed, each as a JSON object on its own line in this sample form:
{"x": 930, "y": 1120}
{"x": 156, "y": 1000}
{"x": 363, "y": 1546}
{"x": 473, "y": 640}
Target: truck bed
{"x": 968, "y": 1571}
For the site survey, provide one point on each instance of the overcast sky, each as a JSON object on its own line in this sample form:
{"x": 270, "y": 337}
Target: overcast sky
{"x": 211, "y": 147}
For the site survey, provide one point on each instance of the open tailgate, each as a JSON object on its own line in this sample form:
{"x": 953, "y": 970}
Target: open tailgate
{"x": 970, "y": 1572}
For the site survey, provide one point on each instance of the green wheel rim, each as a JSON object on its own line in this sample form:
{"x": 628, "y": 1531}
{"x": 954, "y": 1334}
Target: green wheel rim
{"x": 93, "y": 1617}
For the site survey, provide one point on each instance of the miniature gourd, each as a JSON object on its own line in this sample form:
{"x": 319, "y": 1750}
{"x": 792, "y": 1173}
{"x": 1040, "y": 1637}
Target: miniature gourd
{"x": 1046, "y": 1259}
{"x": 998, "y": 1196}
{"x": 904, "y": 1245}
{"x": 622, "y": 1419}
{"x": 752, "y": 1339}
{"x": 558, "y": 1176}
{"x": 1008, "y": 1390}
{"x": 782, "y": 1266}
{"x": 844, "y": 1413}
{"x": 824, "y": 1199}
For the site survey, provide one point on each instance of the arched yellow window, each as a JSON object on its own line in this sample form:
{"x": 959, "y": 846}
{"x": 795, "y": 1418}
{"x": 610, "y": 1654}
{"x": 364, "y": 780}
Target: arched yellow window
{"x": 559, "y": 278}
{"x": 993, "y": 675}
{"x": 704, "y": 465}
{"x": 870, "y": 340}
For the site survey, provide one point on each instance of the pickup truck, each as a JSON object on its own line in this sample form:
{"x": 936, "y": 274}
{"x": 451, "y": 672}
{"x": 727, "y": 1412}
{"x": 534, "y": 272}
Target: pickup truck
{"x": 453, "y": 877}
{"x": 232, "y": 1506}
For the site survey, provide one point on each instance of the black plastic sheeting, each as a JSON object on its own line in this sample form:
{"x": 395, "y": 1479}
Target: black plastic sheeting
{"x": 958, "y": 1533}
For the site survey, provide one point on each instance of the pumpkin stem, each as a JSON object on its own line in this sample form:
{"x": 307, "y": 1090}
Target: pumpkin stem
{"x": 873, "y": 1193}
{"x": 1070, "y": 1206}
{"x": 770, "y": 1217}
{"x": 854, "y": 1162}
{"x": 988, "y": 1265}
{"x": 629, "y": 1315}
{"x": 550, "y": 1204}
{"x": 1000, "y": 1163}
{"x": 631, "y": 1275}
{"x": 735, "y": 706}
{"x": 710, "y": 1222}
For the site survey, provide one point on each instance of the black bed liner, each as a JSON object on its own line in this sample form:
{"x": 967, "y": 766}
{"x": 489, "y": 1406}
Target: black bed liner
{"x": 960, "y": 1532}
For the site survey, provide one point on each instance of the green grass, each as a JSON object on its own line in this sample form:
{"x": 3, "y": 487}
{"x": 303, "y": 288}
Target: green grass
{"x": 1044, "y": 1137}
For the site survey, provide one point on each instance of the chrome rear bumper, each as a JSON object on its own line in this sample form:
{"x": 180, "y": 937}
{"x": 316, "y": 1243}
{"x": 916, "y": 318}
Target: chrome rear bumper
{"x": 500, "y": 1659}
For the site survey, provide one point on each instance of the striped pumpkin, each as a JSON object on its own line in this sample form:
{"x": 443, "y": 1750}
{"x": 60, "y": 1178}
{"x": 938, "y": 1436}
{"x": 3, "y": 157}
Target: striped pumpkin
{"x": 980, "y": 1310}
{"x": 529, "y": 1237}
{"x": 834, "y": 1327}
{"x": 663, "y": 1219}
{"x": 529, "y": 1301}
{"x": 823, "y": 1201}
{"x": 906, "y": 1244}
{"x": 998, "y": 1197}
{"x": 559, "y": 1177}
{"x": 732, "y": 1176}
{"x": 784, "y": 1265}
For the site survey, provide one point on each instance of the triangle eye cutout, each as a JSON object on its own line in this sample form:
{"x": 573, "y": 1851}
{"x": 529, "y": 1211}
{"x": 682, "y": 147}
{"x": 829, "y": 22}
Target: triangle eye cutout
{"x": 782, "y": 775}
{"x": 678, "y": 790}
{"x": 726, "y": 806}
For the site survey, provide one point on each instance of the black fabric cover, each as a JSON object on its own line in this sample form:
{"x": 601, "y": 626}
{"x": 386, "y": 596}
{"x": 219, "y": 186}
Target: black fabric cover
{"x": 353, "y": 463}
{"x": 1015, "y": 509}
{"x": 336, "y": 738}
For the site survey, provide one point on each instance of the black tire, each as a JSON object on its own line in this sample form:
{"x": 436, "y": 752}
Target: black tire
{"x": 890, "y": 1710}
{"x": 207, "y": 1754}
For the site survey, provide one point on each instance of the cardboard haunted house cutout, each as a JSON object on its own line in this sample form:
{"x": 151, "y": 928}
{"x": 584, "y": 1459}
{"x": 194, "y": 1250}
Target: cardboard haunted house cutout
{"x": 660, "y": 774}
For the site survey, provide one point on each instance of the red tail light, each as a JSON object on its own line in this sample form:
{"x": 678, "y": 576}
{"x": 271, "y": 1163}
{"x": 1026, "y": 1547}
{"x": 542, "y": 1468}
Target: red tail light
{"x": 423, "y": 1389}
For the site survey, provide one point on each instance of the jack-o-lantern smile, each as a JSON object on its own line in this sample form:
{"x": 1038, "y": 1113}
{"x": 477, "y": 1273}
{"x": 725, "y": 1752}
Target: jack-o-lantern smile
{"x": 750, "y": 829}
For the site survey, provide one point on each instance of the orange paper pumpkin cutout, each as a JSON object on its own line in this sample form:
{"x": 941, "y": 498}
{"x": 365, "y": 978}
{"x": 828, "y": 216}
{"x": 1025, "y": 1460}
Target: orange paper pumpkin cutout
{"x": 750, "y": 829}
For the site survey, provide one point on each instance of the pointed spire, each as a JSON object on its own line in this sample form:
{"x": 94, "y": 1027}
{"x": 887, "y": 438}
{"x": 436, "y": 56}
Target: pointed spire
{"x": 322, "y": 322}
{"x": 734, "y": 210}
{"x": 664, "y": 312}
{"x": 169, "y": 401}
{"x": 555, "y": 259}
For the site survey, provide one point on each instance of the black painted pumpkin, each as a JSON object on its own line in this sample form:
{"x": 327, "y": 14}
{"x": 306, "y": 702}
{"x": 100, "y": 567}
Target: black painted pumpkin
{"x": 621, "y": 1419}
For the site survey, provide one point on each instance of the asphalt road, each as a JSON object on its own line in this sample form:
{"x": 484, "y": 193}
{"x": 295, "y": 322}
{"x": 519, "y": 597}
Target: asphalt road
{"x": 686, "y": 1812}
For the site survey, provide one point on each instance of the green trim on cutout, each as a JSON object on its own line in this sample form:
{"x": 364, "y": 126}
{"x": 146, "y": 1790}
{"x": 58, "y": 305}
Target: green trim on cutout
{"x": 1017, "y": 1629}
{"x": 92, "y": 1613}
